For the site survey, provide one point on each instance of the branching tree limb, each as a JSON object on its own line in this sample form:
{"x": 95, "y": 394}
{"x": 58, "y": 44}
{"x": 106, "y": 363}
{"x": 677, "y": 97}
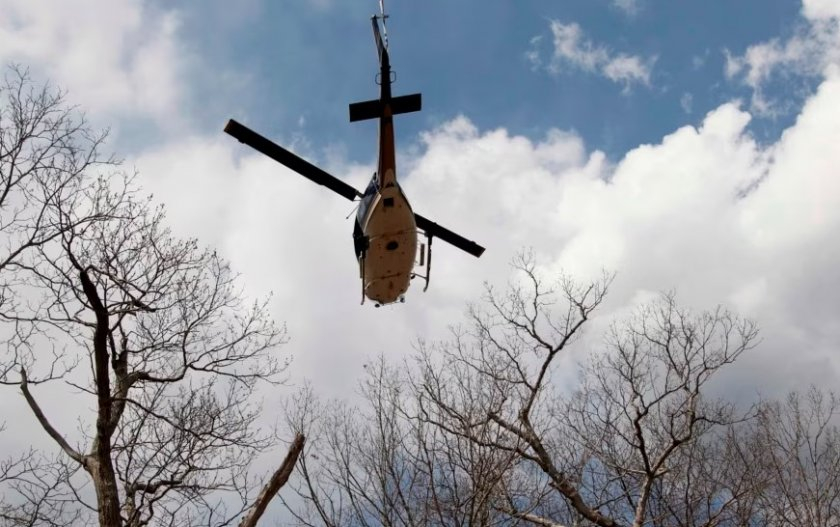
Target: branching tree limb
{"x": 90, "y": 274}
{"x": 273, "y": 486}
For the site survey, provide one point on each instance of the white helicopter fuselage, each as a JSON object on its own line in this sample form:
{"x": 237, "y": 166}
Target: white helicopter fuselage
{"x": 389, "y": 227}
{"x": 386, "y": 229}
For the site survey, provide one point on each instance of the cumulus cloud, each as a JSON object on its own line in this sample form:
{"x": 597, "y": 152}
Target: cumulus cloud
{"x": 117, "y": 59}
{"x": 821, "y": 9}
{"x": 706, "y": 210}
{"x": 573, "y": 49}
{"x": 805, "y": 54}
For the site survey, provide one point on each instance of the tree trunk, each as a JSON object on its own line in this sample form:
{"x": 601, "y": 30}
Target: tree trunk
{"x": 278, "y": 479}
{"x": 107, "y": 495}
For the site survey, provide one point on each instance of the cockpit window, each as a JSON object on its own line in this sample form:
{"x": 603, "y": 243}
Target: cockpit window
{"x": 372, "y": 186}
{"x": 370, "y": 192}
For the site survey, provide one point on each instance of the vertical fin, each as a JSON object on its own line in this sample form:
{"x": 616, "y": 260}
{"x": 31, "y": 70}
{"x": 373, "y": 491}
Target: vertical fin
{"x": 381, "y": 46}
{"x": 384, "y": 18}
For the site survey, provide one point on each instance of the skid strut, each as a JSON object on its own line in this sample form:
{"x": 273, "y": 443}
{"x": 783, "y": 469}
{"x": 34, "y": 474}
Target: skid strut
{"x": 428, "y": 260}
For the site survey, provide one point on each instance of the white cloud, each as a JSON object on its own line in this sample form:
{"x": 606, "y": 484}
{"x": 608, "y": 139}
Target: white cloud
{"x": 629, "y": 7}
{"x": 628, "y": 68}
{"x": 572, "y": 48}
{"x": 806, "y": 54}
{"x": 801, "y": 55}
{"x": 706, "y": 210}
{"x": 572, "y": 45}
{"x": 533, "y": 54}
{"x": 117, "y": 59}
{"x": 674, "y": 214}
{"x": 686, "y": 102}
{"x": 821, "y": 9}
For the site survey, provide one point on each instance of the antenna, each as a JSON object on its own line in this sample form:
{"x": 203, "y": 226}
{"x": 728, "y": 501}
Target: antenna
{"x": 383, "y": 17}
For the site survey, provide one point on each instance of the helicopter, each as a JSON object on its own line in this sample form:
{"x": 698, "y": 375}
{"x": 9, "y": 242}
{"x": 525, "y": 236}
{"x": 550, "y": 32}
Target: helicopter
{"x": 386, "y": 229}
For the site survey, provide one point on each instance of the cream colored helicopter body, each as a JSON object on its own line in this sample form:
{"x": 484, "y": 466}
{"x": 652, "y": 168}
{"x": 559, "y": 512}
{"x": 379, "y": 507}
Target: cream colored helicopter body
{"x": 387, "y": 265}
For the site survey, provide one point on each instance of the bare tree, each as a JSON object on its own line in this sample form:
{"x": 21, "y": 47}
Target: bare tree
{"x": 376, "y": 464}
{"x": 477, "y": 432}
{"x": 40, "y": 498}
{"x": 625, "y": 436}
{"x": 713, "y": 483}
{"x": 147, "y": 333}
{"x": 488, "y": 384}
{"x": 798, "y": 460}
{"x": 46, "y": 155}
{"x": 641, "y": 413}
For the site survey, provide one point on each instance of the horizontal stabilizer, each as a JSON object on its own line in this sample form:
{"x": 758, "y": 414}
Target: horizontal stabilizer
{"x": 360, "y": 111}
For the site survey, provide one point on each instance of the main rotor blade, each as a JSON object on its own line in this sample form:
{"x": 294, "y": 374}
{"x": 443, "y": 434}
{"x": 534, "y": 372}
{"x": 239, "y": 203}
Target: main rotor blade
{"x": 306, "y": 169}
{"x": 433, "y": 229}
{"x": 290, "y": 160}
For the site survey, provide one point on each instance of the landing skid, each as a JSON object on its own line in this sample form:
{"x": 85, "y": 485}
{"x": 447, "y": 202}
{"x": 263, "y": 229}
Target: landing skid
{"x": 428, "y": 255}
{"x": 362, "y": 273}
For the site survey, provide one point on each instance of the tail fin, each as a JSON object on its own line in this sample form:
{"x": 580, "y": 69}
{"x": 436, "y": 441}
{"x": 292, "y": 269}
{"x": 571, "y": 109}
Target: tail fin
{"x": 381, "y": 44}
{"x": 374, "y": 109}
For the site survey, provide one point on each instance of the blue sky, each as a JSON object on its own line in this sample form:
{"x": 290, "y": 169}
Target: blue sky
{"x": 687, "y": 146}
{"x": 310, "y": 59}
